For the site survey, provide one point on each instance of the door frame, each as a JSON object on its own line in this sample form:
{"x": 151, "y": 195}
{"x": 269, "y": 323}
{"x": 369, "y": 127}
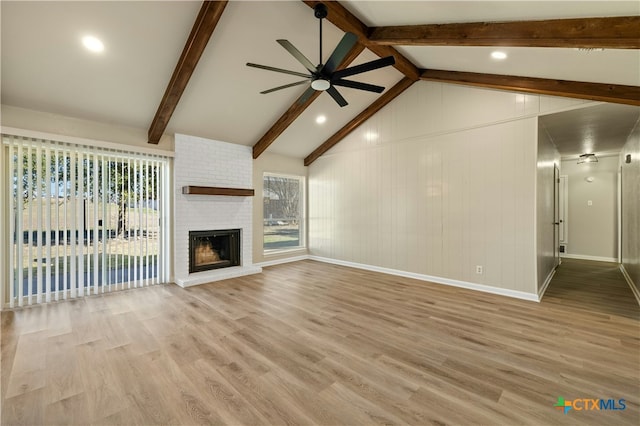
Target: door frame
{"x": 556, "y": 215}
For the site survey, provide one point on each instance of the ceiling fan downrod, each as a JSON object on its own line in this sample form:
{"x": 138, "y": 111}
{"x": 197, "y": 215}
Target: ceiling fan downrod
{"x": 320, "y": 12}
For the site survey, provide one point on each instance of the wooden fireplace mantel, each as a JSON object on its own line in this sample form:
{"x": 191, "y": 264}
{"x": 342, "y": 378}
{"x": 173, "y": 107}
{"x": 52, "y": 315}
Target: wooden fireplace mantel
{"x": 216, "y": 190}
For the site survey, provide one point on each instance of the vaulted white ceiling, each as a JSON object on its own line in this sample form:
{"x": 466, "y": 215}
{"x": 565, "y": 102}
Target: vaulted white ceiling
{"x": 46, "y": 68}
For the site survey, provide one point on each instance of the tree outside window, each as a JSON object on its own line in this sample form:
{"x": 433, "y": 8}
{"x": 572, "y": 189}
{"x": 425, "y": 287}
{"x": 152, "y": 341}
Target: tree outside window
{"x": 283, "y": 208}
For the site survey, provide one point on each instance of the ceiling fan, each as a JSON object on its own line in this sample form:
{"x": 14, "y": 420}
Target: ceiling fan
{"x": 324, "y": 77}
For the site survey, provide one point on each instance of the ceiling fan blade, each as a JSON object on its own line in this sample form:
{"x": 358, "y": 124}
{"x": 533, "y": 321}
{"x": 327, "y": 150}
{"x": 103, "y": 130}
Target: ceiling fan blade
{"x": 298, "y": 55}
{"x": 268, "y": 68}
{"x": 358, "y": 85}
{"x": 306, "y": 95}
{"x": 348, "y": 41}
{"x": 297, "y": 83}
{"x": 337, "y": 96}
{"x": 367, "y": 66}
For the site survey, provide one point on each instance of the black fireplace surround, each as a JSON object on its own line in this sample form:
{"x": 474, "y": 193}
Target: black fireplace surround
{"x": 213, "y": 249}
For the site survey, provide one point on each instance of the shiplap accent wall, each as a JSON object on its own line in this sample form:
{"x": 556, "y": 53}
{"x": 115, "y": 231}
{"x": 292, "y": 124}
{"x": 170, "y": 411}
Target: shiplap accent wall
{"x": 548, "y": 157}
{"x": 631, "y": 207}
{"x": 441, "y": 180}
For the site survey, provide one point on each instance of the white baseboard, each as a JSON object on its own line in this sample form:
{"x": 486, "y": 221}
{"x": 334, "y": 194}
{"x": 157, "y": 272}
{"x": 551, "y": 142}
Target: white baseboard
{"x": 546, "y": 284}
{"x": 217, "y": 275}
{"x": 634, "y": 289}
{"x": 282, "y": 260}
{"x": 437, "y": 280}
{"x": 585, "y": 257}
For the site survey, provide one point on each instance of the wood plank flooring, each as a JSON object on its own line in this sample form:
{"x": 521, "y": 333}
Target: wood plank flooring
{"x": 592, "y": 287}
{"x": 310, "y": 343}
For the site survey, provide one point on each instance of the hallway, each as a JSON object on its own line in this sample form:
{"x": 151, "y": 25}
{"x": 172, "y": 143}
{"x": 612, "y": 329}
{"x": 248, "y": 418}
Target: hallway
{"x": 598, "y": 287}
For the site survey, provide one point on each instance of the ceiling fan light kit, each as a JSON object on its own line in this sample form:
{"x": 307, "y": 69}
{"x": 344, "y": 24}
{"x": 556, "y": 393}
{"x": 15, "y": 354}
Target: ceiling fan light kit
{"x": 320, "y": 84}
{"x": 587, "y": 158}
{"x": 324, "y": 77}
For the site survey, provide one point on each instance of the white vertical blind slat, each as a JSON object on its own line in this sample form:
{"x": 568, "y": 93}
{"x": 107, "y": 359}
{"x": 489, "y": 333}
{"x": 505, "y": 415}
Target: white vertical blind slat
{"x": 73, "y": 210}
{"x": 136, "y": 202}
{"x": 80, "y": 211}
{"x": 13, "y": 237}
{"x": 19, "y": 225}
{"x": 96, "y": 229}
{"x": 142, "y": 226}
{"x": 65, "y": 282}
{"x": 147, "y": 280}
{"x": 105, "y": 222}
{"x": 121, "y": 226}
{"x": 47, "y": 228}
{"x": 56, "y": 264}
{"x": 160, "y": 225}
{"x": 128, "y": 213}
{"x": 156, "y": 223}
{"x": 164, "y": 185}
{"x": 30, "y": 223}
{"x": 117, "y": 226}
{"x": 39, "y": 206}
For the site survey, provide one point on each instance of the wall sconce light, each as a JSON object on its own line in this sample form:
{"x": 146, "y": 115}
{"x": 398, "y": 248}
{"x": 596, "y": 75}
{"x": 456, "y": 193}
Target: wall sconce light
{"x": 587, "y": 158}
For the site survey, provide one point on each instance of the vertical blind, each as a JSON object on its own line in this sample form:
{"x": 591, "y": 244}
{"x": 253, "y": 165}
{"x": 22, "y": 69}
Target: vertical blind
{"x": 83, "y": 220}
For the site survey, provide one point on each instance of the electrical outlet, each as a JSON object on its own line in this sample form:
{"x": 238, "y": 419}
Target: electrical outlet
{"x": 479, "y": 269}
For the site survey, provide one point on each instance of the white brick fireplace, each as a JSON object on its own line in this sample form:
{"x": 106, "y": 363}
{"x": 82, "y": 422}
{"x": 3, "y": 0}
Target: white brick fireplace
{"x": 205, "y": 162}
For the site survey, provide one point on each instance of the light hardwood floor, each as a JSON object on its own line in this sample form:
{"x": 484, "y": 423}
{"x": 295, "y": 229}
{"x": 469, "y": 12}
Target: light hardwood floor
{"x": 311, "y": 343}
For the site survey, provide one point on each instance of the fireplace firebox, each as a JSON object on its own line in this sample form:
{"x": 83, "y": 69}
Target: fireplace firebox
{"x": 213, "y": 249}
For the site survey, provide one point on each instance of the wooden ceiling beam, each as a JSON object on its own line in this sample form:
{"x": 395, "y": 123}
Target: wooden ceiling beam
{"x": 612, "y": 32}
{"x": 297, "y": 108}
{"x": 383, "y": 100}
{"x": 205, "y": 23}
{"x": 614, "y": 93}
{"x": 282, "y": 124}
{"x": 339, "y": 16}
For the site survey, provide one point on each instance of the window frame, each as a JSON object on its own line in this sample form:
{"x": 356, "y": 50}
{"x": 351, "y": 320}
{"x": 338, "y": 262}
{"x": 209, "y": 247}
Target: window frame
{"x": 302, "y": 214}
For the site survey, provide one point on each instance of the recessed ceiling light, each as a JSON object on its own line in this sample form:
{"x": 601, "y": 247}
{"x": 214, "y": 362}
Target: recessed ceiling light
{"x": 498, "y": 55}
{"x": 93, "y": 44}
{"x": 321, "y": 119}
{"x": 371, "y": 136}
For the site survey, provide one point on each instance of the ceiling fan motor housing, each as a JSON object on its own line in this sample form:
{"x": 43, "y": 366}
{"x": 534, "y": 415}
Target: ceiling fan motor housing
{"x": 320, "y": 11}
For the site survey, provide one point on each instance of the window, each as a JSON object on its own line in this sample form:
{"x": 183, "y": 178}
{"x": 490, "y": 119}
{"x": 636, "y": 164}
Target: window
{"x": 283, "y": 200}
{"x": 83, "y": 220}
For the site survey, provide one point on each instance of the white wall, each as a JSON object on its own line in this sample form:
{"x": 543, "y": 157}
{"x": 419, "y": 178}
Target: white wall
{"x": 448, "y": 183}
{"x": 272, "y": 163}
{"x": 204, "y": 162}
{"x": 631, "y": 207}
{"x": 548, "y": 157}
{"x": 592, "y": 230}
{"x": 55, "y": 124}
